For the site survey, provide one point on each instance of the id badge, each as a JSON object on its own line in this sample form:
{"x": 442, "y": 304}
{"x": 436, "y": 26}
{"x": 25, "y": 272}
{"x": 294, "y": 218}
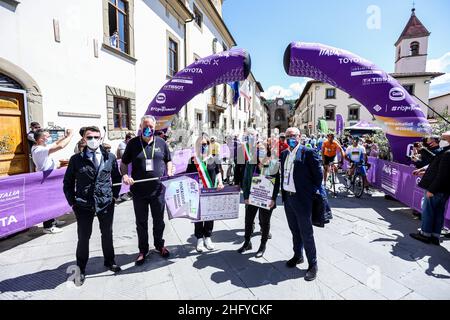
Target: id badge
{"x": 149, "y": 165}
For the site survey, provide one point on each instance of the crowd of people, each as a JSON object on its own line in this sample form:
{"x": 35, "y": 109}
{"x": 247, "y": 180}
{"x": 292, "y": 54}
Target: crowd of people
{"x": 298, "y": 164}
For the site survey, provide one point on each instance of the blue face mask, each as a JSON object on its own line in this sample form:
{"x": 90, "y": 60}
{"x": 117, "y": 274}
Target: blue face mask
{"x": 148, "y": 132}
{"x": 292, "y": 142}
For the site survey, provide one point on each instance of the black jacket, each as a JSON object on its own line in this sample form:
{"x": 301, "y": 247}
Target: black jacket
{"x": 87, "y": 188}
{"x": 437, "y": 176}
{"x": 307, "y": 174}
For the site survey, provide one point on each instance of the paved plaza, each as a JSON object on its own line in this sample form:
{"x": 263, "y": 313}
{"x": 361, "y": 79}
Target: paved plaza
{"x": 364, "y": 253}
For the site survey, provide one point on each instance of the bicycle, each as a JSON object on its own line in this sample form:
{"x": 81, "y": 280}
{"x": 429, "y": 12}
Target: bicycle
{"x": 356, "y": 182}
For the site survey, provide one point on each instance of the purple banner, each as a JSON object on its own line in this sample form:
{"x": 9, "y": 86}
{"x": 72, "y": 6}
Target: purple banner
{"x": 339, "y": 124}
{"x": 397, "y": 180}
{"x": 225, "y": 67}
{"x": 396, "y": 111}
{"x": 29, "y": 199}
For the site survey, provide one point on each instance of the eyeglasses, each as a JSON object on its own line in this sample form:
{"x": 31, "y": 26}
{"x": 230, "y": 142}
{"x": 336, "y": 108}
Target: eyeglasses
{"x": 92, "y": 137}
{"x": 292, "y": 136}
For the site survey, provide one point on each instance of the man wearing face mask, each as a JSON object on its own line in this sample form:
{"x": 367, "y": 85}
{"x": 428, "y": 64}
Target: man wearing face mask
{"x": 89, "y": 191}
{"x": 40, "y": 153}
{"x": 301, "y": 178}
{"x": 150, "y": 158}
{"x": 430, "y": 150}
{"x": 435, "y": 181}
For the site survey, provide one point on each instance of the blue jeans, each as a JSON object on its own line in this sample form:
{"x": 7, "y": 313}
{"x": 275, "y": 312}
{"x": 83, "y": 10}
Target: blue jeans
{"x": 433, "y": 212}
{"x": 299, "y": 214}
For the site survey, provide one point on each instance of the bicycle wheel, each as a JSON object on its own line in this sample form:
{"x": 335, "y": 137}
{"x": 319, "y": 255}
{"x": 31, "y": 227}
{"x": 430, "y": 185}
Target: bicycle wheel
{"x": 358, "y": 188}
{"x": 333, "y": 182}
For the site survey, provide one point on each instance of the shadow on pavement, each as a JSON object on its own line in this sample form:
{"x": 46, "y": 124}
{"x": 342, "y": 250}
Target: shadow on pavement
{"x": 402, "y": 220}
{"x": 244, "y": 272}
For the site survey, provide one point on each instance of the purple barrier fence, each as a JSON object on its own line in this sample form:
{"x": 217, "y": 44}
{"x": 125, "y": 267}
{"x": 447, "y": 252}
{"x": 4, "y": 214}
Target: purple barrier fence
{"x": 396, "y": 180}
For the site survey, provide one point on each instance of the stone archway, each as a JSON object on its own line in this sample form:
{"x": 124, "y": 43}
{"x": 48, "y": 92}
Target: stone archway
{"x": 33, "y": 92}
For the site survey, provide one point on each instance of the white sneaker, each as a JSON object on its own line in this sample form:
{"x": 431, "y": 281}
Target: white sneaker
{"x": 52, "y": 230}
{"x": 200, "y": 245}
{"x": 209, "y": 244}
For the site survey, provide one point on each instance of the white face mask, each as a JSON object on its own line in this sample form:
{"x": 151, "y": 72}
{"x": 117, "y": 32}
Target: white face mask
{"x": 444, "y": 144}
{"x": 93, "y": 144}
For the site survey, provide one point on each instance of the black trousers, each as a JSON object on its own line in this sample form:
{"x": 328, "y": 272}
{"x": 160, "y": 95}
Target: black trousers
{"x": 203, "y": 229}
{"x": 264, "y": 222}
{"x": 299, "y": 216}
{"x": 239, "y": 174}
{"x": 157, "y": 204}
{"x": 85, "y": 218}
{"x": 49, "y": 223}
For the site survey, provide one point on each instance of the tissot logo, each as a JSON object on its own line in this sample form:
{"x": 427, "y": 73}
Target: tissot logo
{"x": 397, "y": 94}
{"x": 161, "y": 98}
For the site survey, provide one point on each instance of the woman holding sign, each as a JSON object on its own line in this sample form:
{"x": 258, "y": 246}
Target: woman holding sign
{"x": 260, "y": 186}
{"x": 208, "y": 169}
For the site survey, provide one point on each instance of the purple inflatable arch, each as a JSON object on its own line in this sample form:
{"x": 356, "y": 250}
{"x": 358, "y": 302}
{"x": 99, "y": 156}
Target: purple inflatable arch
{"x": 393, "y": 108}
{"x": 225, "y": 67}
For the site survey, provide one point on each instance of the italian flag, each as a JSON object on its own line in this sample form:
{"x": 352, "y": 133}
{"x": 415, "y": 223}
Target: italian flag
{"x": 246, "y": 150}
{"x": 203, "y": 173}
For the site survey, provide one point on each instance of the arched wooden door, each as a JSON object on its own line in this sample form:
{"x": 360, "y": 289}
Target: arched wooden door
{"x": 14, "y": 157}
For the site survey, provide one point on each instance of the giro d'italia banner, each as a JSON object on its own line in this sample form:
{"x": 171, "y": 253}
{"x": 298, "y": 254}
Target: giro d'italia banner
{"x": 225, "y": 67}
{"x": 394, "y": 109}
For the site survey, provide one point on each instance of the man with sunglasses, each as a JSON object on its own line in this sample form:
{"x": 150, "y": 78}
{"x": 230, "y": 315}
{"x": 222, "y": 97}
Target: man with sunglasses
{"x": 88, "y": 189}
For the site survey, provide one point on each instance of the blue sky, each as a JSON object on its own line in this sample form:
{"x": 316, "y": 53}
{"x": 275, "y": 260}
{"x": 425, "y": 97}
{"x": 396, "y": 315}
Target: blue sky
{"x": 266, "y": 27}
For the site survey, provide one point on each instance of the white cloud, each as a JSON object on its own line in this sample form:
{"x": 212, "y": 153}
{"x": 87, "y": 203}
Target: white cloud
{"x": 291, "y": 93}
{"x": 441, "y": 64}
{"x": 441, "y": 84}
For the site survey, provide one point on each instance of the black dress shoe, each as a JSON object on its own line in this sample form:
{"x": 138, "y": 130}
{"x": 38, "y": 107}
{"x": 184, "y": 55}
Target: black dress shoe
{"x": 294, "y": 261}
{"x": 261, "y": 250}
{"x": 113, "y": 267}
{"x": 140, "y": 260}
{"x": 269, "y": 236}
{"x": 311, "y": 273}
{"x": 435, "y": 240}
{"x": 245, "y": 247}
{"x": 419, "y": 236}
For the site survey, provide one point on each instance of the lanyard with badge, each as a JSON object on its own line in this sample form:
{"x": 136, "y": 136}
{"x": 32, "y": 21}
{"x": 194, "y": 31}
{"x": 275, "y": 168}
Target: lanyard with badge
{"x": 149, "y": 165}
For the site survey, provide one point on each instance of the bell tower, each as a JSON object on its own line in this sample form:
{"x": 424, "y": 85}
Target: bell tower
{"x": 412, "y": 47}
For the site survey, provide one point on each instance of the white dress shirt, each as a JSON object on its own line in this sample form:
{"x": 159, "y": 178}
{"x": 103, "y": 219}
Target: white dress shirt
{"x": 288, "y": 178}
{"x": 98, "y": 155}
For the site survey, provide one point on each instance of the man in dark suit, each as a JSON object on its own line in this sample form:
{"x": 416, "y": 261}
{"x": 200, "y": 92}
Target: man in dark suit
{"x": 434, "y": 181}
{"x": 88, "y": 189}
{"x": 301, "y": 178}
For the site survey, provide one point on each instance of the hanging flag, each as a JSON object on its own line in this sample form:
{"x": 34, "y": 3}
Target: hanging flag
{"x": 323, "y": 126}
{"x": 245, "y": 91}
{"x": 339, "y": 124}
{"x": 203, "y": 173}
{"x": 235, "y": 87}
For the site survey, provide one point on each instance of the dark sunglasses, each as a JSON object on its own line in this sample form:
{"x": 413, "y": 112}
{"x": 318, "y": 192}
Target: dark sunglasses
{"x": 90, "y": 138}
